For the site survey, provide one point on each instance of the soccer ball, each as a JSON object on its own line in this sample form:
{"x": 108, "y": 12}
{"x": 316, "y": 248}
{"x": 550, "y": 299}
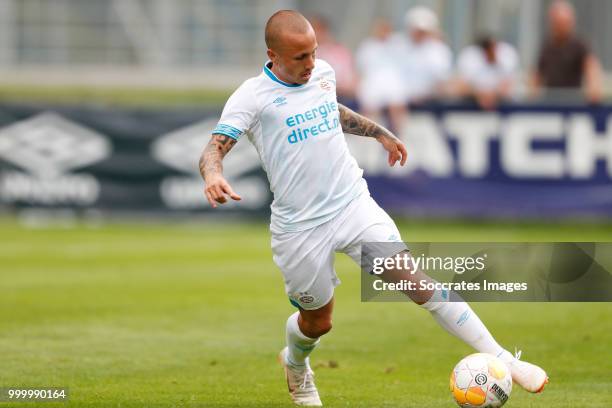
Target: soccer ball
{"x": 481, "y": 380}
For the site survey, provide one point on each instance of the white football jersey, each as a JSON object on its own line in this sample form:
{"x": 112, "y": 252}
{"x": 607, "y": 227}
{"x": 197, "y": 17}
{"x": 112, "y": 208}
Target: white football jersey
{"x": 296, "y": 131}
{"x": 474, "y": 68}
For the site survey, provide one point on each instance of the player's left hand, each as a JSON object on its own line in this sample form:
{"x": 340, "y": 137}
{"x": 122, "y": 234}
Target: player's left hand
{"x": 396, "y": 149}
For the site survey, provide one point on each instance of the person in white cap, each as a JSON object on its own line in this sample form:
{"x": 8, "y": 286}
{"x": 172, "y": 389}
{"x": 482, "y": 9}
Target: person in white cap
{"x": 426, "y": 61}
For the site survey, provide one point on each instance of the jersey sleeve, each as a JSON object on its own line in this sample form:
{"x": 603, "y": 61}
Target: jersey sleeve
{"x": 465, "y": 64}
{"x": 239, "y": 113}
{"x": 511, "y": 60}
{"x": 442, "y": 62}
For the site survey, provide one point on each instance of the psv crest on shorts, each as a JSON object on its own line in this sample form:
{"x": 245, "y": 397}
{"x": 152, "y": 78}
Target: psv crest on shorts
{"x": 306, "y": 298}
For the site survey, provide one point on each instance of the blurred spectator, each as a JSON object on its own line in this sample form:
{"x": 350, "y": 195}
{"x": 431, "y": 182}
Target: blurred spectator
{"x": 565, "y": 60}
{"x": 486, "y": 71}
{"x": 338, "y": 56}
{"x": 381, "y": 85}
{"x": 426, "y": 60}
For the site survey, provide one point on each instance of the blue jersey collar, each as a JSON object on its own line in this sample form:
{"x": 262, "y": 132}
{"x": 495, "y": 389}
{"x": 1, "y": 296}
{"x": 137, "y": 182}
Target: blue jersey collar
{"x": 273, "y": 77}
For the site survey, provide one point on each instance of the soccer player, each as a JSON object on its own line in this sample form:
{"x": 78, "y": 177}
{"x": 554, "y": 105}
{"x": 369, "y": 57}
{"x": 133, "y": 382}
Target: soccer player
{"x": 321, "y": 201}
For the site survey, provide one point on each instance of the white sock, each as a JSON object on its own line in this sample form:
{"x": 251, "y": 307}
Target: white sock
{"x": 459, "y": 319}
{"x": 298, "y": 344}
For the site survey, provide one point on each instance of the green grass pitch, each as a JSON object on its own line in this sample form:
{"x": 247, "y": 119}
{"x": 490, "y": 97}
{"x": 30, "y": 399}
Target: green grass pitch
{"x": 193, "y": 315}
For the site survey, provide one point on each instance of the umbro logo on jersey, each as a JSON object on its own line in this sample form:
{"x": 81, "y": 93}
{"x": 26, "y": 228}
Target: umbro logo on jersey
{"x": 280, "y": 101}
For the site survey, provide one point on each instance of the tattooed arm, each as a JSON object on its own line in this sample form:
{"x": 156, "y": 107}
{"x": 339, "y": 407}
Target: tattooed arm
{"x": 211, "y": 170}
{"x": 356, "y": 124}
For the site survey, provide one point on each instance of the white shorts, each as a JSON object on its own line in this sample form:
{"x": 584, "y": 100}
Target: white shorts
{"x": 306, "y": 258}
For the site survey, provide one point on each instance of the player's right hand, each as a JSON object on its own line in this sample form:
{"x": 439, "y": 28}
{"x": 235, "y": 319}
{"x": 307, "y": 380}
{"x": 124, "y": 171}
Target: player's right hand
{"x": 218, "y": 189}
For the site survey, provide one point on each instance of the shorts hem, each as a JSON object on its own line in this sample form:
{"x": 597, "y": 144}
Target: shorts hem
{"x": 297, "y": 304}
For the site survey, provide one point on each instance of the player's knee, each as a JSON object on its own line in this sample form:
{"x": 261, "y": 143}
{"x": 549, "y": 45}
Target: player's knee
{"x": 317, "y": 327}
{"x": 320, "y": 328}
{"x": 324, "y": 326}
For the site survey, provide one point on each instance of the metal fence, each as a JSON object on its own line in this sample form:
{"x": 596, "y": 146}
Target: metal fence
{"x": 222, "y": 33}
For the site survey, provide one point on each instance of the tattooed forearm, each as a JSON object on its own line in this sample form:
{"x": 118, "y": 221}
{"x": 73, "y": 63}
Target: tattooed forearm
{"x": 357, "y": 124}
{"x": 213, "y": 154}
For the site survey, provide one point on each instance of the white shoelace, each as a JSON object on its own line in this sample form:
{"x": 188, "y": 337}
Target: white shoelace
{"x": 308, "y": 379}
{"x": 517, "y": 353}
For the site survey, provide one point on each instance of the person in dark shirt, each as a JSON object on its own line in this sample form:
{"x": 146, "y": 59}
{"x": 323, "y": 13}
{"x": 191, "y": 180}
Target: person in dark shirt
{"x": 565, "y": 60}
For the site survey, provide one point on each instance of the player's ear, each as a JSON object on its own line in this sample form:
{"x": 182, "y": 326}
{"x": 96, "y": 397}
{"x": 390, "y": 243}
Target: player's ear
{"x": 271, "y": 55}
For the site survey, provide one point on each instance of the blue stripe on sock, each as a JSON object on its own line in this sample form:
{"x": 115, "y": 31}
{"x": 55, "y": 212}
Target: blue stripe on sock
{"x": 463, "y": 318}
